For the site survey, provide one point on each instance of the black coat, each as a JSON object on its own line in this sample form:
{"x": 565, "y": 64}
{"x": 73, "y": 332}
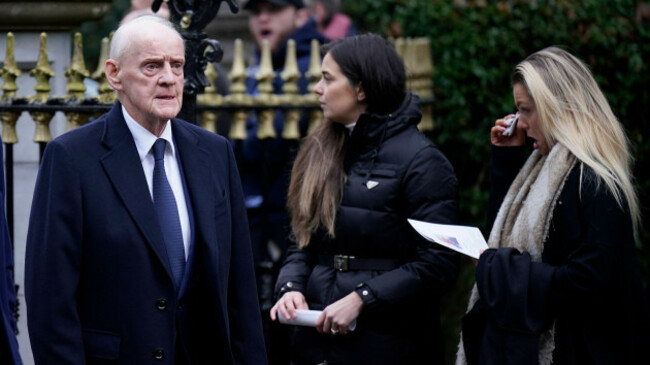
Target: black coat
{"x": 588, "y": 282}
{"x": 399, "y": 323}
{"x": 98, "y": 285}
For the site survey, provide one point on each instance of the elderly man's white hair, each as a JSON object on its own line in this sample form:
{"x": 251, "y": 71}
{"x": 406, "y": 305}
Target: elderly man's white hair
{"x": 121, "y": 38}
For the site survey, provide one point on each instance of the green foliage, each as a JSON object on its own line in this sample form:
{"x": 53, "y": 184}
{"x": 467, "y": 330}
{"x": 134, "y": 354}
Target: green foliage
{"x": 475, "y": 46}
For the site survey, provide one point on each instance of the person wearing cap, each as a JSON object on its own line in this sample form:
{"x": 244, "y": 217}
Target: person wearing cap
{"x": 265, "y": 165}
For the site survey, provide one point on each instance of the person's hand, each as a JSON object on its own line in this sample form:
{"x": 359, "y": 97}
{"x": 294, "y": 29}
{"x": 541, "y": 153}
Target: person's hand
{"x": 518, "y": 137}
{"x": 288, "y": 304}
{"x": 336, "y": 317}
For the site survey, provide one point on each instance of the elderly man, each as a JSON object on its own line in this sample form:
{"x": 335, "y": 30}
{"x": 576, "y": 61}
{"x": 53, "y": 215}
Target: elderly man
{"x": 138, "y": 248}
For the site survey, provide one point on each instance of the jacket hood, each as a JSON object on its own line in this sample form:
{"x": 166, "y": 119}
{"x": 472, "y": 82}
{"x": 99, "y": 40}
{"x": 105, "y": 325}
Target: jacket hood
{"x": 372, "y": 129}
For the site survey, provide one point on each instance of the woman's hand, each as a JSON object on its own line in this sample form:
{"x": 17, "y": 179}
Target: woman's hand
{"x": 518, "y": 137}
{"x": 336, "y": 317}
{"x": 288, "y": 304}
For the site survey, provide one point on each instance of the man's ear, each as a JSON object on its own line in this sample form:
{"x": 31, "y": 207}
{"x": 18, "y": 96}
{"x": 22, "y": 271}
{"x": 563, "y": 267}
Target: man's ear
{"x": 112, "y": 70}
{"x": 361, "y": 95}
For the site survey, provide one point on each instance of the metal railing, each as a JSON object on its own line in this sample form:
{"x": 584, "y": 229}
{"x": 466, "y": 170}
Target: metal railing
{"x": 79, "y": 108}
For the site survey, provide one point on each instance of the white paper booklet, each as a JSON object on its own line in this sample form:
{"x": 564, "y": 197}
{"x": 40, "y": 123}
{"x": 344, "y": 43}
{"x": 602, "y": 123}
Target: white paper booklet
{"x": 307, "y": 318}
{"x": 464, "y": 239}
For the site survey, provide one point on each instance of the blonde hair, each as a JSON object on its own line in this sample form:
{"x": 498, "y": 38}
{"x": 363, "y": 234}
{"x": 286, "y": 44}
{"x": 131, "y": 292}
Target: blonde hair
{"x": 572, "y": 110}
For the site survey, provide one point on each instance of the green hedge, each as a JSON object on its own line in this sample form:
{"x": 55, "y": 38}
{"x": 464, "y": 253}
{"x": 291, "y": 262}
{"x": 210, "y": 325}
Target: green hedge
{"x": 476, "y": 44}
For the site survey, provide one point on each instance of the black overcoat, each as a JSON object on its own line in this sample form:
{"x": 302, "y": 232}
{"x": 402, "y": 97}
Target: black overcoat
{"x": 98, "y": 285}
{"x": 588, "y": 283}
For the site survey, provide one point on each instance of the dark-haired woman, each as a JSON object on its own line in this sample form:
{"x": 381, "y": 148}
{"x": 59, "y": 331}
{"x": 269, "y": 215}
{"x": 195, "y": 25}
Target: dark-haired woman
{"x": 356, "y": 180}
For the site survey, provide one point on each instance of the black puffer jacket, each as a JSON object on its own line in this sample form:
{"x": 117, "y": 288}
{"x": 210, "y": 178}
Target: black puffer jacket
{"x": 394, "y": 173}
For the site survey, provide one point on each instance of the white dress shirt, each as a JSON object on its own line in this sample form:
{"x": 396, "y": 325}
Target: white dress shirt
{"x": 144, "y": 140}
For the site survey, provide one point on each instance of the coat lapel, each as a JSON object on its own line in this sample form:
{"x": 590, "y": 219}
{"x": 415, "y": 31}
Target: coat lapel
{"x": 123, "y": 167}
{"x": 197, "y": 169}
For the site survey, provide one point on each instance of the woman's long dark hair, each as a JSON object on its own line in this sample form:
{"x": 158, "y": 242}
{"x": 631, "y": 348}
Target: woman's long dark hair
{"x": 317, "y": 177}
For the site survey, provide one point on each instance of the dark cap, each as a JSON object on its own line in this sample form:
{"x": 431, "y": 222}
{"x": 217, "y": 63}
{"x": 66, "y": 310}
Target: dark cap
{"x": 297, "y": 3}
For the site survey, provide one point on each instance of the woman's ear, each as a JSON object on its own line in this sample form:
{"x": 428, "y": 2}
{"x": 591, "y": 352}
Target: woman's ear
{"x": 361, "y": 95}
{"x": 112, "y": 70}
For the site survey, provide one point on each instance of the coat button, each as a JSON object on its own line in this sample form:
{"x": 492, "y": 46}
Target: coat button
{"x": 161, "y": 304}
{"x": 158, "y": 354}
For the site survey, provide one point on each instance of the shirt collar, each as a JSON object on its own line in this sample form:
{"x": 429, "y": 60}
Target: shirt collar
{"x": 350, "y": 127}
{"x": 144, "y": 139}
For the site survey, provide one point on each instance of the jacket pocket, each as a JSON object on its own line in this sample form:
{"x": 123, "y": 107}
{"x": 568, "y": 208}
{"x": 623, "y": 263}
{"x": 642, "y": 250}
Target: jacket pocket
{"x": 101, "y": 345}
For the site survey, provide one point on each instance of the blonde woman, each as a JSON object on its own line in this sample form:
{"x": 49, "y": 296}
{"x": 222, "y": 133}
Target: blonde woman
{"x": 561, "y": 283}
{"x": 356, "y": 180}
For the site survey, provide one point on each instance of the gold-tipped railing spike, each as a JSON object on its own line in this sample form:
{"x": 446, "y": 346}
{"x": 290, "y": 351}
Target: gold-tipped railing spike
{"x": 209, "y": 120}
{"x": 290, "y": 75}
{"x": 265, "y": 98}
{"x": 210, "y": 98}
{"x": 265, "y": 74}
{"x": 211, "y": 74}
{"x": 313, "y": 75}
{"x": 75, "y": 75}
{"x": 237, "y": 73}
{"x": 77, "y": 72}
{"x": 105, "y": 93}
{"x": 42, "y": 73}
{"x": 238, "y": 95}
{"x": 10, "y": 71}
{"x": 9, "y": 119}
{"x": 314, "y": 72}
{"x": 238, "y": 126}
{"x": 42, "y": 131}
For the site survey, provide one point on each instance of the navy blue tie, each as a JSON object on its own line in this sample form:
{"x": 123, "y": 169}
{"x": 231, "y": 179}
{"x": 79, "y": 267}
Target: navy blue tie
{"x": 167, "y": 211}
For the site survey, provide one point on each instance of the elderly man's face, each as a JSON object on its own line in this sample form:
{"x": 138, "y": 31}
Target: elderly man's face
{"x": 151, "y": 76}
